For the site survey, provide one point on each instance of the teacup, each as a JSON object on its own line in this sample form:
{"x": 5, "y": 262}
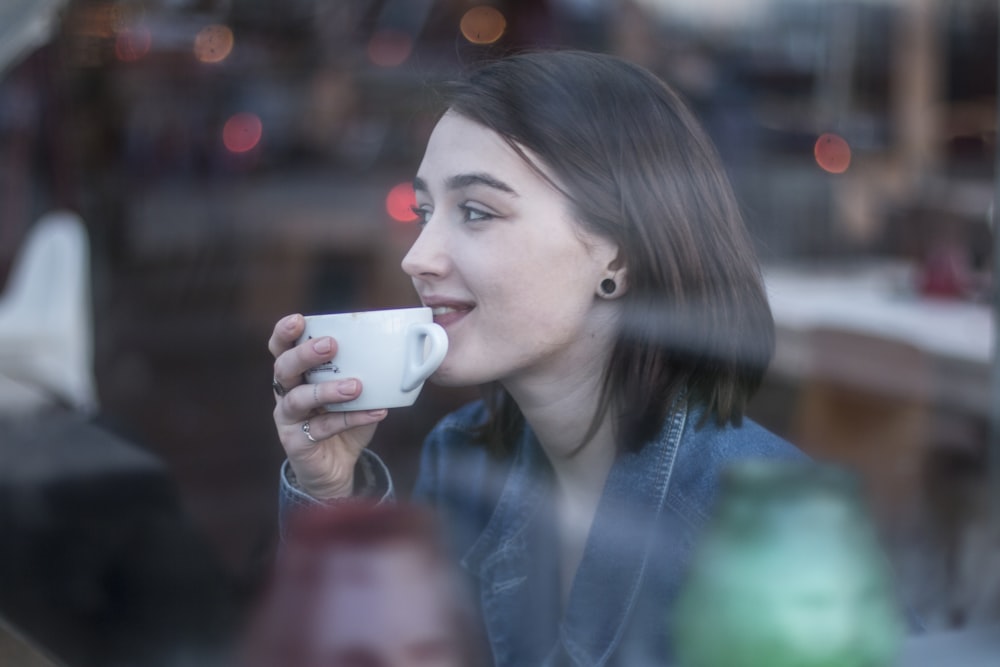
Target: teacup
{"x": 391, "y": 352}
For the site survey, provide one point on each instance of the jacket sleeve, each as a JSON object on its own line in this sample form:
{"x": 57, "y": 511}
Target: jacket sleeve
{"x": 372, "y": 480}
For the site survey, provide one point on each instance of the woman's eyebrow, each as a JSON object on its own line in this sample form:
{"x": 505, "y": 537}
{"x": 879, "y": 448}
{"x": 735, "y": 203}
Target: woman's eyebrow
{"x": 464, "y": 180}
{"x": 460, "y": 181}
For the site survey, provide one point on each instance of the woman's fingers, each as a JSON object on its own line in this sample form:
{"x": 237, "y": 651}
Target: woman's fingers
{"x": 281, "y": 344}
{"x": 327, "y": 425}
{"x": 286, "y": 332}
{"x": 307, "y": 399}
{"x": 291, "y": 364}
{"x": 322, "y": 447}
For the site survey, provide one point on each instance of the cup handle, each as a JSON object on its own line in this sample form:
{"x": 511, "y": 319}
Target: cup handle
{"x": 419, "y": 368}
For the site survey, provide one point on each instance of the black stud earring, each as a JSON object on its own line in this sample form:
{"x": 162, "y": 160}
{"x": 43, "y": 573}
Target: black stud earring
{"x": 608, "y": 286}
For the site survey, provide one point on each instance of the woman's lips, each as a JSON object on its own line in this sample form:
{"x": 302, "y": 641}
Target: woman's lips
{"x": 447, "y": 315}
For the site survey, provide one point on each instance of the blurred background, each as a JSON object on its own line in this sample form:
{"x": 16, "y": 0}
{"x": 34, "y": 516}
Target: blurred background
{"x": 232, "y": 161}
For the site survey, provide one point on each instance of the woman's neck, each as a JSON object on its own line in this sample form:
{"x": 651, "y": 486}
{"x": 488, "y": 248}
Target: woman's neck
{"x": 560, "y": 414}
{"x": 560, "y": 408}
{"x": 559, "y": 403}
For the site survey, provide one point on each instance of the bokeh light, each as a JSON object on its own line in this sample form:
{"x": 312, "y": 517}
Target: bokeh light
{"x": 400, "y": 201}
{"x": 213, "y": 43}
{"x": 833, "y": 154}
{"x": 133, "y": 43}
{"x": 483, "y": 25}
{"x": 242, "y": 132}
{"x": 389, "y": 48}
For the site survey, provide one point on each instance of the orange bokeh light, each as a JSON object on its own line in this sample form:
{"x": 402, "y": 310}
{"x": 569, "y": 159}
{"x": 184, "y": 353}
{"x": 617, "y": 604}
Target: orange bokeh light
{"x": 483, "y": 25}
{"x": 213, "y": 43}
{"x": 832, "y": 152}
{"x": 133, "y": 43}
{"x": 242, "y": 132}
{"x": 400, "y": 201}
{"x": 389, "y": 48}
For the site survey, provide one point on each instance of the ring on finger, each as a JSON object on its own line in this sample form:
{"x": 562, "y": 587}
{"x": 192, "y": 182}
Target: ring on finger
{"x": 305, "y": 429}
{"x": 278, "y": 388}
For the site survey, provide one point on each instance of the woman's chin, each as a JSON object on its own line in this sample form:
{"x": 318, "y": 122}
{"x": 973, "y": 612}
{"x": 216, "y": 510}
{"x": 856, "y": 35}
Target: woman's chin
{"x": 446, "y": 380}
{"x": 448, "y": 376}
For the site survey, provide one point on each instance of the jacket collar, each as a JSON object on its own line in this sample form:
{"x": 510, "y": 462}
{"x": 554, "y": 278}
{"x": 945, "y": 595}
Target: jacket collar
{"x": 515, "y": 557}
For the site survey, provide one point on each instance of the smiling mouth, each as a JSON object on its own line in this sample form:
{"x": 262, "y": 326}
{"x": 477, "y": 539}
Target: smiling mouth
{"x": 446, "y": 315}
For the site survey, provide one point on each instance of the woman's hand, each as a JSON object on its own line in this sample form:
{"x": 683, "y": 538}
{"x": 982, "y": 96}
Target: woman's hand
{"x": 324, "y": 466}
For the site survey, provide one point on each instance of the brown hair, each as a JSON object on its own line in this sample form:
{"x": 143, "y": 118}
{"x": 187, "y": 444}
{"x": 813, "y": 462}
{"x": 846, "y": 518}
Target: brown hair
{"x": 639, "y": 170}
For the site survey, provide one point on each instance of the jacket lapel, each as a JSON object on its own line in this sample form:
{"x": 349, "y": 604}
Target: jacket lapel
{"x": 514, "y": 561}
{"x": 515, "y": 557}
{"x": 624, "y": 550}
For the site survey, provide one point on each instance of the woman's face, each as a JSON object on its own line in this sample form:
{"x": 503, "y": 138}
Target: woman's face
{"x": 511, "y": 276}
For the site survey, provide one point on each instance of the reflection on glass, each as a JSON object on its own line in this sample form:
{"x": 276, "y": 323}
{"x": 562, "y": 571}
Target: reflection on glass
{"x": 790, "y": 573}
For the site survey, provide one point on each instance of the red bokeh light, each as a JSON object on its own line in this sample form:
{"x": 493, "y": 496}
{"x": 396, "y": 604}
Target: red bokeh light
{"x": 242, "y": 132}
{"x": 389, "y": 48}
{"x": 133, "y": 43}
{"x": 833, "y": 154}
{"x": 400, "y": 201}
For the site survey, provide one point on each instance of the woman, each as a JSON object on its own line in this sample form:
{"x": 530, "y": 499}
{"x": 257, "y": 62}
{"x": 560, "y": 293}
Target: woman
{"x": 583, "y": 250}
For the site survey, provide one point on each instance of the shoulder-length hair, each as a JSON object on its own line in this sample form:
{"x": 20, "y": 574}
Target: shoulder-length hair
{"x": 639, "y": 170}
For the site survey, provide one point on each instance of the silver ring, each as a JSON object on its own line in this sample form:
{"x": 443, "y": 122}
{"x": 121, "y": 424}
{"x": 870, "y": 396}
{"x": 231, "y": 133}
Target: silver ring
{"x": 305, "y": 429}
{"x": 278, "y": 389}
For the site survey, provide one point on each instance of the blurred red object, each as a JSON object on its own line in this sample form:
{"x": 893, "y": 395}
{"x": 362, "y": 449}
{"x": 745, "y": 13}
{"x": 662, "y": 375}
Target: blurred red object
{"x": 945, "y": 274}
{"x": 363, "y": 585}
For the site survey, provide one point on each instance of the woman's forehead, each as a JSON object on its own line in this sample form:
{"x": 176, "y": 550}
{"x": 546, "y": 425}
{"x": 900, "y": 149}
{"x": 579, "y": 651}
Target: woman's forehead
{"x": 459, "y": 146}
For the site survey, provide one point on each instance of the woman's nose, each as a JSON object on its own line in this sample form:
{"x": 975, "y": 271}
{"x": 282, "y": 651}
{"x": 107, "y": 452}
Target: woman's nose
{"x": 427, "y": 256}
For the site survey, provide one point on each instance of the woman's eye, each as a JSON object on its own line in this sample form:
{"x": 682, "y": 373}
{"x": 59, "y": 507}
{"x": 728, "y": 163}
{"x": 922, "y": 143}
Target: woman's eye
{"x": 470, "y": 214}
{"x": 422, "y": 214}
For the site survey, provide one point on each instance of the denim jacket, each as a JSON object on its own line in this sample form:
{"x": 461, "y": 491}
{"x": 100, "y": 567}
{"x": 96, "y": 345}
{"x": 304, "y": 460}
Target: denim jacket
{"x": 499, "y": 519}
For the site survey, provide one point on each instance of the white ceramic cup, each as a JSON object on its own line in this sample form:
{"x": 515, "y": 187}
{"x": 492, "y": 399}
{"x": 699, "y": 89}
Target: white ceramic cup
{"x": 392, "y": 352}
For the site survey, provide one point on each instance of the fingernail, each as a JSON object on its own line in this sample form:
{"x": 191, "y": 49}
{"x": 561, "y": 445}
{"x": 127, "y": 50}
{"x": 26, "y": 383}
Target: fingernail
{"x": 377, "y": 413}
{"x": 322, "y": 345}
{"x": 348, "y": 387}
{"x": 289, "y": 321}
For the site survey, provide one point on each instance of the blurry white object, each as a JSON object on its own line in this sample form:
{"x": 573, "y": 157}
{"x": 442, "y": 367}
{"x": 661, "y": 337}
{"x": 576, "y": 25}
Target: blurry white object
{"x": 25, "y": 25}
{"x": 46, "y": 322}
{"x": 880, "y": 301}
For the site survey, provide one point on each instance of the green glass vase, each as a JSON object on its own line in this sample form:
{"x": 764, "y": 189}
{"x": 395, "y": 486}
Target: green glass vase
{"x": 789, "y": 574}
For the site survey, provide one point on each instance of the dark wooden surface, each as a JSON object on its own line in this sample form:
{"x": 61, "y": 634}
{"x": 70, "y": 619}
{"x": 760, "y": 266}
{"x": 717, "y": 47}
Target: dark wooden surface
{"x": 99, "y": 563}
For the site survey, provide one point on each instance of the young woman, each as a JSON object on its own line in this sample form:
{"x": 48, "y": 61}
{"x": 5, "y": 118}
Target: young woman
{"x": 583, "y": 250}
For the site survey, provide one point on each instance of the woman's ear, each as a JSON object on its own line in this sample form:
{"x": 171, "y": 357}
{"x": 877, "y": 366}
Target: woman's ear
{"x": 615, "y": 281}
{"x": 621, "y": 273}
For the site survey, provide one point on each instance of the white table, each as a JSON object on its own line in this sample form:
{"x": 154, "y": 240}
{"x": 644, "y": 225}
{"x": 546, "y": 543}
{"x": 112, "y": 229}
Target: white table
{"x": 878, "y": 301}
